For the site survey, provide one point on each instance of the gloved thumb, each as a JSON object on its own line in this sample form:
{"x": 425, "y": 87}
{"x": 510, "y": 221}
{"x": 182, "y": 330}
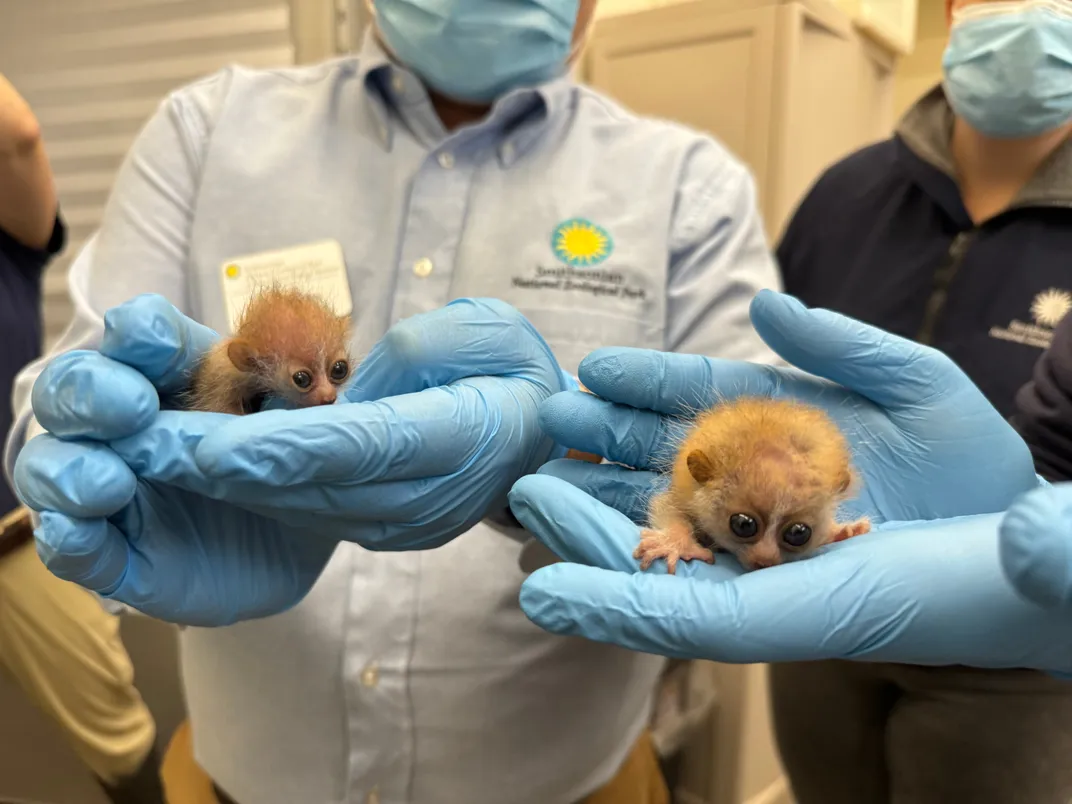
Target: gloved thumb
{"x": 466, "y": 338}
{"x": 1036, "y": 546}
{"x": 889, "y": 370}
{"x": 149, "y": 334}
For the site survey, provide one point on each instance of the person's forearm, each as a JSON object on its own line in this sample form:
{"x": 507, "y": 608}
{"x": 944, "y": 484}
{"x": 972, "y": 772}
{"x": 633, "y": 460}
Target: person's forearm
{"x": 27, "y": 192}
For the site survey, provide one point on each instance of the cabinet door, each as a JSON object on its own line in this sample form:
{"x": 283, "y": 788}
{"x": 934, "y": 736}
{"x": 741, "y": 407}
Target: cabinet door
{"x": 705, "y": 64}
{"x": 833, "y": 94}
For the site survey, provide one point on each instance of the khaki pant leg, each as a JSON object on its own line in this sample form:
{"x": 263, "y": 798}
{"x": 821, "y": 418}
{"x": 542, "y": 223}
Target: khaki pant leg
{"x": 63, "y": 649}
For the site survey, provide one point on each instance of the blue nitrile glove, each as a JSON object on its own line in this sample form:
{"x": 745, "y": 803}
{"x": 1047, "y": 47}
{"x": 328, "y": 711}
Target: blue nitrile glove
{"x": 454, "y": 423}
{"x": 930, "y": 593}
{"x": 111, "y": 521}
{"x": 925, "y": 440}
{"x": 1036, "y": 546}
{"x": 410, "y": 472}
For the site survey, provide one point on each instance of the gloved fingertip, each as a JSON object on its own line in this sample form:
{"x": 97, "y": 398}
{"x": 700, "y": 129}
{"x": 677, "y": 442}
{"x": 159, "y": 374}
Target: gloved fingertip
{"x": 775, "y": 315}
{"x": 542, "y": 605}
{"x": 81, "y": 479}
{"x": 153, "y": 336}
{"x": 602, "y": 370}
{"x": 558, "y": 414}
{"x": 84, "y": 394}
{"x": 525, "y": 495}
{"x": 87, "y": 552}
{"x": 1036, "y": 546}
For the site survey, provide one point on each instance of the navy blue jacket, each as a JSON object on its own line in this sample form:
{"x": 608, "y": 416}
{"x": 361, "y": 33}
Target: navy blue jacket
{"x": 20, "y": 321}
{"x": 1044, "y": 408}
{"x": 883, "y": 236}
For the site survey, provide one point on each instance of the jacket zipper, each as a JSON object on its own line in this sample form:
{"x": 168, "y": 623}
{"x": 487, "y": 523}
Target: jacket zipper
{"x": 943, "y": 277}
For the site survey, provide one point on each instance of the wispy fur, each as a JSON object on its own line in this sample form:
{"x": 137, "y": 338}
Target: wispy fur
{"x": 777, "y": 461}
{"x": 281, "y": 332}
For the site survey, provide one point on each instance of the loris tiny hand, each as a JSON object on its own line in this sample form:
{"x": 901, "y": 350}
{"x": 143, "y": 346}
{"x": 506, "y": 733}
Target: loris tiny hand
{"x": 925, "y": 440}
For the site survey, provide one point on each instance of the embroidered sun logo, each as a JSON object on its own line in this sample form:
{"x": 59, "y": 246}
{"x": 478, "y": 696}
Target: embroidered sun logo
{"x": 1050, "y": 306}
{"x": 581, "y": 243}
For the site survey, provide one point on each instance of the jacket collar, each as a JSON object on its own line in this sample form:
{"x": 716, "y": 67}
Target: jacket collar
{"x": 927, "y": 129}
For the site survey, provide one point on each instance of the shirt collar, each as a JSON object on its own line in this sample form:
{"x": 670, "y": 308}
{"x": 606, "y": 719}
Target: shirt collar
{"x": 521, "y": 116}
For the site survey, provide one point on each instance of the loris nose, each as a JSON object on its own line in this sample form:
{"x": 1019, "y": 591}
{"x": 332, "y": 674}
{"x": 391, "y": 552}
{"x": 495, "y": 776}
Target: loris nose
{"x": 325, "y": 397}
{"x": 761, "y": 559}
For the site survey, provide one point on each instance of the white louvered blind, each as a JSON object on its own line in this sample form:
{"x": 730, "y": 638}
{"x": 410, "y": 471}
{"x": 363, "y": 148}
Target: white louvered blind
{"x": 95, "y": 70}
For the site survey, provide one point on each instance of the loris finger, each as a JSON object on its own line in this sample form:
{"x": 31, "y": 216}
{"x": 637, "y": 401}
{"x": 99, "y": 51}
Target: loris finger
{"x": 847, "y": 531}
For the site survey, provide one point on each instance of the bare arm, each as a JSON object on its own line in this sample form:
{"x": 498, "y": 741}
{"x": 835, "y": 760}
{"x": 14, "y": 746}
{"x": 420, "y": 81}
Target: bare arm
{"x": 27, "y": 193}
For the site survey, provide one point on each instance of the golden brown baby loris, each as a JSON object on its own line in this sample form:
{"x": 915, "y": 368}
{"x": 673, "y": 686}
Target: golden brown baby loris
{"x": 288, "y": 345}
{"x": 756, "y": 477}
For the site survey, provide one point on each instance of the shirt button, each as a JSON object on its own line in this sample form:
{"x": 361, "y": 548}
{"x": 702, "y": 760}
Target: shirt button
{"x": 398, "y": 83}
{"x": 422, "y": 267}
{"x": 370, "y": 676}
{"x": 373, "y": 796}
{"x": 446, "y": 160}
{"x": 508, "y": 151}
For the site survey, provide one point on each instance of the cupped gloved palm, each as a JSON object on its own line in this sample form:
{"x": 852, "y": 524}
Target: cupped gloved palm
{"x": 207, "y": 518}
{"x": 927, "y": 443}
{"x": 441, "y": 419}
{"x": 924, "y": 438}
{"x": 112, "y": 521}
{"x": 918, "y": 593}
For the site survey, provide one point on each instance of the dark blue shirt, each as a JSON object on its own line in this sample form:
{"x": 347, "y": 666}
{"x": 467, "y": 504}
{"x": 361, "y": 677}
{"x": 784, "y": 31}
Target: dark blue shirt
{"x": 20, "y": 320}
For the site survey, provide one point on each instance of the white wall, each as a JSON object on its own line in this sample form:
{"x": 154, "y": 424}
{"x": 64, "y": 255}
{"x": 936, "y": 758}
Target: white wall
{"x": 921, "y": 70}
{"x": 95, "y": 70}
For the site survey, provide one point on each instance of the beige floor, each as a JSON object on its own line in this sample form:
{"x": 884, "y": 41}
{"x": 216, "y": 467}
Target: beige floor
{"x": 35, "y": 763}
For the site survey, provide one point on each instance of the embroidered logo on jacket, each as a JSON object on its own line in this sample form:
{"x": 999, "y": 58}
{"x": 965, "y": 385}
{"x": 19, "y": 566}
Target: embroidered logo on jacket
{"x": 1047, "y": 309}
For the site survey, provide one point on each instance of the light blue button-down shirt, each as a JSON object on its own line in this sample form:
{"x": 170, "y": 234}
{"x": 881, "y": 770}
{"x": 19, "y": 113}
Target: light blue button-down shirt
{"x": 415, "y": 677}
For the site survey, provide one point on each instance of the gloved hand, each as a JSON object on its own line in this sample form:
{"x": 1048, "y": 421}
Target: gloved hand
{"x": 929, "y": 593}
{"x": 925, "y": 440}
{"x": 112, "y": 521}
{"x": 152, "y": 509}
{"x": 440, "y": 420}
{"x": 1036, "y": 546}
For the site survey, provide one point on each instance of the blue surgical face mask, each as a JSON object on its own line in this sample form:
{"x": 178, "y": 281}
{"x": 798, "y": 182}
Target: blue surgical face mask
{"x": 1008, "y": 66}
{"x": 479, "y": 50}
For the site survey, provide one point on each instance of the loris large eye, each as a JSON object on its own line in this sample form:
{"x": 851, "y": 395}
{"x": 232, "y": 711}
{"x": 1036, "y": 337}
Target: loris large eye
{"x": 743, "y": 526}
{"x": 339, "y": 370}
{"x": 796, "y": 535}
{"x": 302, "y": 379}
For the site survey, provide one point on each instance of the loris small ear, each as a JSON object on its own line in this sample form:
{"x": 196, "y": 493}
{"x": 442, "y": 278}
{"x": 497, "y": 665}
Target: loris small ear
{"x": 241, "y": 354}
{"x": 700, "y": 466}
{"x": 846, "y": 480}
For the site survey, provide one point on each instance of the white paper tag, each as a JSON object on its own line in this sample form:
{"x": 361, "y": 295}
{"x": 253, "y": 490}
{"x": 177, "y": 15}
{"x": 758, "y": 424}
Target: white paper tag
{"x": 317, "y": 268}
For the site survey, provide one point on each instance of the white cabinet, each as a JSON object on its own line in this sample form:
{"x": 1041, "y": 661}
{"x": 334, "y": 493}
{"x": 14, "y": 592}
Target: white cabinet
{"x": 788, "y": 86}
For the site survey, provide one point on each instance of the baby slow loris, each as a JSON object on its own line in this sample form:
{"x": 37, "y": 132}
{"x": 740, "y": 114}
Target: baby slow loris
{"x": 756, "y": 477}
{"x": 288, "y": 346}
